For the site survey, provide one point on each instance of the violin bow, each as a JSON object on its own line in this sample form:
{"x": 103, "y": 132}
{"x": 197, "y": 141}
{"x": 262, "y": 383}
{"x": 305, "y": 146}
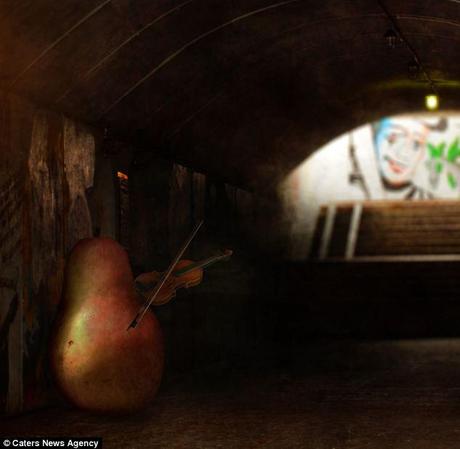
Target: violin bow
{"x": 137, "y": 319}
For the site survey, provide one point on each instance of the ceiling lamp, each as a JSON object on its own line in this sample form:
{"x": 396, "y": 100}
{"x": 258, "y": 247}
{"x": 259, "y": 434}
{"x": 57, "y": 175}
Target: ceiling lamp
{"x": 413, "y": 69}
{"x": 391, "y": 38}
{"x": 432, "y": 102}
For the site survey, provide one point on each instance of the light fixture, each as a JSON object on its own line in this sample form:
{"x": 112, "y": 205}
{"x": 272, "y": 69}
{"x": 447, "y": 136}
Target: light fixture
{"x": 432, "y": 102}
{"x": 391, "y": 37}
{"x": 122, "y": 176}
{"x": 413, "y": 69}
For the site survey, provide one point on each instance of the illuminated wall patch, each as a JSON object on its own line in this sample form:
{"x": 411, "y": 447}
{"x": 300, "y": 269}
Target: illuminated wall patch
{"x": 413, "y": 157}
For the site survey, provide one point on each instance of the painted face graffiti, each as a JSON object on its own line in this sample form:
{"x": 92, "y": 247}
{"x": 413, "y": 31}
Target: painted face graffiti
{"x": 400, "y": 144}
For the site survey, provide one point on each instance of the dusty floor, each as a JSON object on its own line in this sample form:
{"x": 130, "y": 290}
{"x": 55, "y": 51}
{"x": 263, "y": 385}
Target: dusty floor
{"x": 379, "y": 395}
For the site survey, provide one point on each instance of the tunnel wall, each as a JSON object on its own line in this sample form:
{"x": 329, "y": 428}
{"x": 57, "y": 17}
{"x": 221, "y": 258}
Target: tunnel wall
{"x": 227, "y": 319}
{"x": 59, "y": 184}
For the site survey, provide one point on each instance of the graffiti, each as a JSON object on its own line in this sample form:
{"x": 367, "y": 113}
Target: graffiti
{"x": 401, "y": 144}
{"x": 443, "y": 159}
{"x": 356, "y": 176}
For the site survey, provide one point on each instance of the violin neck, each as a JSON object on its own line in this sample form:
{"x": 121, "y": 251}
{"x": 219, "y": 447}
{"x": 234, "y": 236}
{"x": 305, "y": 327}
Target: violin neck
{"x": 201, "y": 264}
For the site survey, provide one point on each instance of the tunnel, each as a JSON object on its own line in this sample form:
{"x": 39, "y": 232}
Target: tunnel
{"x": 230, "y": 224}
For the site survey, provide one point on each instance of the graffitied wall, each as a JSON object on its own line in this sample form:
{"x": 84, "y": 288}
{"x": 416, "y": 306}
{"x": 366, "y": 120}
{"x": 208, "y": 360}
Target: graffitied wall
{"x": 413, "y": 157}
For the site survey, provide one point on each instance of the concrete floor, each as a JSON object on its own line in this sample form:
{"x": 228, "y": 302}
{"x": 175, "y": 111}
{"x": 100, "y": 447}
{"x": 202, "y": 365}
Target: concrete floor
{"x": 379, "y": 395}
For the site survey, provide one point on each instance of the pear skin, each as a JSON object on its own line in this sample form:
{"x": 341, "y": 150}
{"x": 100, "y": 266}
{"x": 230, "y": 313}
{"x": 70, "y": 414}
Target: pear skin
{"x": 97, "y": 363}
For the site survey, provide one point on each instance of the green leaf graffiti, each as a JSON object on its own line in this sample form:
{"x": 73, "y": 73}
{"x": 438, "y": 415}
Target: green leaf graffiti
{"x": 436, "y": 151}
{"x": 439, "y": 159}
{"x": 454, "y": 151}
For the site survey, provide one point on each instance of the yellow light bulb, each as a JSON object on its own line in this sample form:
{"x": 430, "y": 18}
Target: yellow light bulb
{"x": 432, "y": 102}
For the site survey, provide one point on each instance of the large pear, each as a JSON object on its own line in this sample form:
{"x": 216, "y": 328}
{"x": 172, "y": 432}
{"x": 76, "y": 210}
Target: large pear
{"x": 97, "y": 363}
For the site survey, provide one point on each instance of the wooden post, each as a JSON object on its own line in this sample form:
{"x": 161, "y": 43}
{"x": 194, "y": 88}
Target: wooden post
{"x": 327, "y": 231}
{"x": 14, "y": 402}
{"x": 353, "y": 231}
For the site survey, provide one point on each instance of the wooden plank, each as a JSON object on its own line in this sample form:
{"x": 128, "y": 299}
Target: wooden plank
{"x": 14, "y": 401}
{"x": 327, "y": 231}
{"x": 317, "y": 233}
{"x": 397, "y": 258}
{"x": 422, "y": 230}
{"x": 338, "y": 242}
{"x": 404, "y": 253}
{"x": 409, "y": 219}
{"x": 408, "y": 239}
{"x": 353, "y": 231}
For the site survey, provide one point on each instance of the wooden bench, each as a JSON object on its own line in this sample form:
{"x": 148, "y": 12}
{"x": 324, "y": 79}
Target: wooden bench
{"x": 388, "y": 231}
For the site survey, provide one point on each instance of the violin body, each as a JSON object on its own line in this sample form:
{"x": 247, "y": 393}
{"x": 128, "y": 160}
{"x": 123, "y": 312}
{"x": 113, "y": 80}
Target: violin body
{"x": 146, "y": 281}
{"x": 185, "y": 274}
{"x": 97, "y": 363}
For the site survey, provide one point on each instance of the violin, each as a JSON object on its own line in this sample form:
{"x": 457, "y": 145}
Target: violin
{"x": 186, "y": 274}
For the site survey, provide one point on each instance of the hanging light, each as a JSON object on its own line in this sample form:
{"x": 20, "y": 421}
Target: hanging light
{"x": 432, "y": 102}
{"x": 413, "y": 69}
{"x": 391, "y": 38}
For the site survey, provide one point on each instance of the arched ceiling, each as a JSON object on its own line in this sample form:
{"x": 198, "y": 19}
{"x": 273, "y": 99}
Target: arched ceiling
{"x": 243, "y": 89}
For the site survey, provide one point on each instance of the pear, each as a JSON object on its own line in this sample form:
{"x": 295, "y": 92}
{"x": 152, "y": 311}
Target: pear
{"x": 97, "y": 363}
